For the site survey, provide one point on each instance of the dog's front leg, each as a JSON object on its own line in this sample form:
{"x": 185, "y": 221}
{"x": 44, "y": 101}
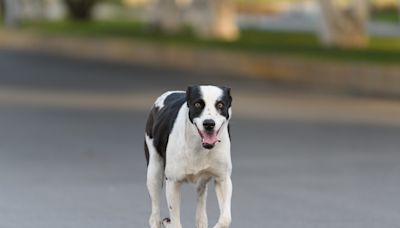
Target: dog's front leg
{"x": 223, "y": 188}
{"x": 173, "y": 192}
{"x": 201, "y": 211}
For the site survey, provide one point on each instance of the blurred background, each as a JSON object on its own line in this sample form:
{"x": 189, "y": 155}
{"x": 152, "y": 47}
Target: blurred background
{"x": 315, "y": 83}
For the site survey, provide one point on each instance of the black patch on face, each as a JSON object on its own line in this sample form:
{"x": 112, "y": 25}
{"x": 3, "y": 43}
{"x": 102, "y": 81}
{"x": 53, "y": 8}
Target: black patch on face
{"x": 160, "y": 122}
{"x": 225, "y": 100}
{"x": 194, "y": 102}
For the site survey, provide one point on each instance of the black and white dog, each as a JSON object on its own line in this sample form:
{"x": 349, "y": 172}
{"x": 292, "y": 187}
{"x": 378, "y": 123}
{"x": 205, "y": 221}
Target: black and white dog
{"x": 187, "y": 140}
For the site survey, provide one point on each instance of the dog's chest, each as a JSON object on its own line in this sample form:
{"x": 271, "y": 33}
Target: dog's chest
{"x": 190, "y": 168}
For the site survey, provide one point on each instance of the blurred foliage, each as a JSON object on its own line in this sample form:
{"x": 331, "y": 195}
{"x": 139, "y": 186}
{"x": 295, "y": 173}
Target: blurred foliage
{"x": 381, "y": 49}
{"x": 1, "y": 9}
{"x": 116, "y": 2}
{"x": 268, "y": 1}
{"x": 82, "y": 9}
{"x": 374, "y": 2}
{"x": 386, "y": 15}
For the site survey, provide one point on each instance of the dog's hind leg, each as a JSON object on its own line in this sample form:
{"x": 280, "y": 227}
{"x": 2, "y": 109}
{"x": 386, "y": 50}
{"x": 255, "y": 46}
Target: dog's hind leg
{"x": 154, "y": 181}
{"x": 201, "y": 210}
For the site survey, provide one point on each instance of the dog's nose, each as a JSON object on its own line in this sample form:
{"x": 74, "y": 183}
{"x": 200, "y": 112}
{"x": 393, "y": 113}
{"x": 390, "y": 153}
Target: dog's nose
{"x": 209, "y": 124}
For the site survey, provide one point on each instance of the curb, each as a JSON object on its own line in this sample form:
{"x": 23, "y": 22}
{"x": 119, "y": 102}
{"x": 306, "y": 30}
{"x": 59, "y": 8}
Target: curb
{"x": 361, "y": 78}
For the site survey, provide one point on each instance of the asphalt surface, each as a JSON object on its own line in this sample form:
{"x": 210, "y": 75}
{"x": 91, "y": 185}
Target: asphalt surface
{"x": 71, "y": 152}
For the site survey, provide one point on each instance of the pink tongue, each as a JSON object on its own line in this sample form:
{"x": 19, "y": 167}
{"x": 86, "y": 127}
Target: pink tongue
{"x": 210, "y": 138}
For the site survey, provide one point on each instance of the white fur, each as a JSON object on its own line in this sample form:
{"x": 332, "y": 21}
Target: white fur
{"x": 188, "y": 161}
{"x": 154, "y": 182}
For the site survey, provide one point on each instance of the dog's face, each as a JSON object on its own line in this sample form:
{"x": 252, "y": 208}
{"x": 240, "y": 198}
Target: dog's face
{"x": 209, "y": 111}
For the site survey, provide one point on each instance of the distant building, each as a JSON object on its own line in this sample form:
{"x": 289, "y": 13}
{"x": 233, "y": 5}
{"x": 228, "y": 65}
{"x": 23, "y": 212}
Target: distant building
{"x": 22, "y": 10}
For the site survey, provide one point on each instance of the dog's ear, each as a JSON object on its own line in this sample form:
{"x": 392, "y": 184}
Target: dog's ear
{"x": 227, "y": 92}
{"x": 188, "y": 94}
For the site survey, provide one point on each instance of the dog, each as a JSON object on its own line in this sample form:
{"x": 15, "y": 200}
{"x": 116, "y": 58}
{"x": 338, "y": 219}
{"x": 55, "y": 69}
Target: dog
{"x": 187, "y": 140}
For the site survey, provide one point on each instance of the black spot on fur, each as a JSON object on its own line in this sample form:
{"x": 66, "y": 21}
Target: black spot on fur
{"x": 146, "y": 152}
{"x": 150, "y": 122}
{"x": 167, "y": 220}
{"x": 229, "y": 131}
{"x": 193, "y": 96}
{"x": 173, "y": 97}
{"x": 160, "y": 121}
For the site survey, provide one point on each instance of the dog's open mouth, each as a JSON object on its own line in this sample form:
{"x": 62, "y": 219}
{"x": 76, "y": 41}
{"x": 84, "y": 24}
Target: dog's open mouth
{"x": 209, "y": 139}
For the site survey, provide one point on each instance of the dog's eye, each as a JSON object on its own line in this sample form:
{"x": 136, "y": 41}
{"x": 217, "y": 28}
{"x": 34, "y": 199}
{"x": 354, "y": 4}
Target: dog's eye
{"x": 220, "y": 105}
{"x": 197, "y": 105}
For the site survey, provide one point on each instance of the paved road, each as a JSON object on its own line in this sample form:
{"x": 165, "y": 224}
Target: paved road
{"x": 71, "y": 150}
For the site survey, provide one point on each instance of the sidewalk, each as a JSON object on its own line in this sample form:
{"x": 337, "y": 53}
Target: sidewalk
{"x": 341, "y": 77}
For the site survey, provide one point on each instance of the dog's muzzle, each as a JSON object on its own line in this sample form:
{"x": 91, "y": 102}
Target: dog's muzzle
{"x": 209, "y": 137}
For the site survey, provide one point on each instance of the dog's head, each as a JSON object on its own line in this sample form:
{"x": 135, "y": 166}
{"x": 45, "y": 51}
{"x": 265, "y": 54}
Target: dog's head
{"x": 209, "y": 111}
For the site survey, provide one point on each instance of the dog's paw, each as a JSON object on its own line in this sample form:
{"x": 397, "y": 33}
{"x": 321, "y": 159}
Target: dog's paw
{"x": 222, "y": 225}
{"x": 201, "y": 225}
{"x": 155, "y": 222}
{"x": 166, "y": 222}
